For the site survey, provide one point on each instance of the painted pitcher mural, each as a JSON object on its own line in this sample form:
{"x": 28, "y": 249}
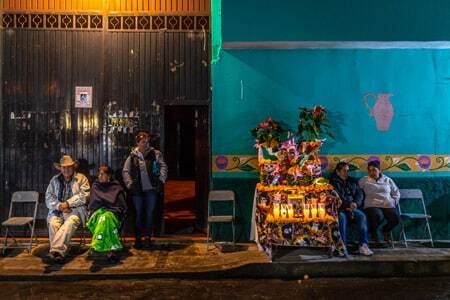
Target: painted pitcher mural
{"x": 382, "y": 110}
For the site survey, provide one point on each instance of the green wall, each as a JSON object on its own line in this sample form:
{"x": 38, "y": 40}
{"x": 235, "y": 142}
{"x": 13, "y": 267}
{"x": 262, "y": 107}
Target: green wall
{"x": 333, "y": 20}
{"x": 251, "y": 84}
{"x": 277, "y": 82}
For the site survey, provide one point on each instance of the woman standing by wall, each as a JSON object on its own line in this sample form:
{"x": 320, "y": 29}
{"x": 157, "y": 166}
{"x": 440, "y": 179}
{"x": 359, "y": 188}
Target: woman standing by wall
{"x": 144, "y": 174}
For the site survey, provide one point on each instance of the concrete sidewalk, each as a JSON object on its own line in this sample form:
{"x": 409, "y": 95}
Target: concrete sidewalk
{"x": 192, "y": 259}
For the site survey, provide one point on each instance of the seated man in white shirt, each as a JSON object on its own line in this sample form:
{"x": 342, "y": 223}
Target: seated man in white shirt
{"x": 65, "y": 198}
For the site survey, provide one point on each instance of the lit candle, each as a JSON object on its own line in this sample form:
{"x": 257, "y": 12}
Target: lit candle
{"x": 283, "y": 211}
{"x": 306, "y": 211}
{"x": 276, "y": 210}
{"x": 290, "y": 211}
{"x": 314, "y": 211}
{"x": 321, "y": 211}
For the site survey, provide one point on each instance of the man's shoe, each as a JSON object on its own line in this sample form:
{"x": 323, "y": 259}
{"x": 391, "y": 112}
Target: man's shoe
{"x": 138, "y": 244}
{"x": 364, "y": 250}
{"x": 58, "y": 258}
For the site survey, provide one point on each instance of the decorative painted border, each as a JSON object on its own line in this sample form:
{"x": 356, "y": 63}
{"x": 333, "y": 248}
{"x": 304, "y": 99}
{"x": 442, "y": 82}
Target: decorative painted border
{"x": 52, "y": 21}
{"x": 96, "y": 22}
{"x": 122, "y": 6}
{"x": 358, "y": 162}
{"x": 159, "y": 22}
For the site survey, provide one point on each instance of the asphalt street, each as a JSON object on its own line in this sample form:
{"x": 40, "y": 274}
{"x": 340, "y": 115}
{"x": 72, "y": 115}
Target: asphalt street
{"x": 311, "y": 288}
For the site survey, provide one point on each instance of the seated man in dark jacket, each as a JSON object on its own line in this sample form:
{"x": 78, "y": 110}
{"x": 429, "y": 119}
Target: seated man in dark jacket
{"x": 352, "y": 199}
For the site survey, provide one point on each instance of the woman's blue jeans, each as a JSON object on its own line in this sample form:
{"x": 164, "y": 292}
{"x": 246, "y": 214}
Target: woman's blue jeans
{"x": 144, "y": 205}
{"x": 359, "y": 219}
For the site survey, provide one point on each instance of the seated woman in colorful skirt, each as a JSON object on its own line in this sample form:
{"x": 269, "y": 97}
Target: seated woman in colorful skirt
{"x": 107, "y": 207}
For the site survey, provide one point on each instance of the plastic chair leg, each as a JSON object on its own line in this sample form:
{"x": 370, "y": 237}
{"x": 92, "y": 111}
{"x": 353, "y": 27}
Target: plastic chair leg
{"x": 207, "y": 235}
{"x": 429, "y": 232}
{"x": 234, "y": 232}
{"x": 5, "y": 242}
{"x": 31, "y": 238}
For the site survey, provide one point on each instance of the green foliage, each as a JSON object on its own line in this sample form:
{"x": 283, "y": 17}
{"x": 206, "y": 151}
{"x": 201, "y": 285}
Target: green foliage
{"x": 270, "y": 132}
{"x": 404, "y": 167}
{"x": 313, "y": 124}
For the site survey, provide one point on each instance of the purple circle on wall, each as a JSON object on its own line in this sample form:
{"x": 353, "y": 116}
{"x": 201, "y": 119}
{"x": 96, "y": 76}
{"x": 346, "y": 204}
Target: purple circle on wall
{"x": 221, "y": 162}
{"x": 424, "y": 162}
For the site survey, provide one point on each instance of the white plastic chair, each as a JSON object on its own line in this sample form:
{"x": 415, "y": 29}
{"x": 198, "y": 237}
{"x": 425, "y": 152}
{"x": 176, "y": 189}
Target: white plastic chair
{"x": 30, "y": 197}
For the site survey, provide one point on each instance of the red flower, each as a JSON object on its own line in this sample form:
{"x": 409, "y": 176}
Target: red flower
{"x": 318, "y": 110}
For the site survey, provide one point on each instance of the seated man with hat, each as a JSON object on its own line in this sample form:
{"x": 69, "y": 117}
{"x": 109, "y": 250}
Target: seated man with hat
{"x": 66, "y": 198}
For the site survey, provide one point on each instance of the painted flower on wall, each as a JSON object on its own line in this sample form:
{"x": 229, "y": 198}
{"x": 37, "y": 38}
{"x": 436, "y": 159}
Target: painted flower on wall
{"x": 424, "y": 162}
{"x": 221, "y": 162}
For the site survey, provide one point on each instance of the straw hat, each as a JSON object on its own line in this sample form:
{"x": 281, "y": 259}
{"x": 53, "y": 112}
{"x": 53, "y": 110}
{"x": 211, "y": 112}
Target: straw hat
{"x": 65, "y": 161}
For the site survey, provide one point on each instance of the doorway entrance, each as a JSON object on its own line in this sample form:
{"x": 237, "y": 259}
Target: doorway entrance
{"x": 186, "y": 151}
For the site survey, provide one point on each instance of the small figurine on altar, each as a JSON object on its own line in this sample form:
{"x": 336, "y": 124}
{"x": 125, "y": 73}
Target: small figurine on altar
{"x": 313, "y": 169}
{"x": 288, "y": 152}
{"x": 294, "y": 175}
{"x": 270, "y": 173}
{"x": 264, "y": 200}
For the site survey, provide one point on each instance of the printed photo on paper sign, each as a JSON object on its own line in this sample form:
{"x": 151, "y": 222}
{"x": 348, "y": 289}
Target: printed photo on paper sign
{"x": 83, "y": 97}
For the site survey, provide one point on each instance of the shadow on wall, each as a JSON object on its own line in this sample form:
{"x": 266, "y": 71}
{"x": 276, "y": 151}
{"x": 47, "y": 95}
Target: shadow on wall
{"x": 338, "y": 120}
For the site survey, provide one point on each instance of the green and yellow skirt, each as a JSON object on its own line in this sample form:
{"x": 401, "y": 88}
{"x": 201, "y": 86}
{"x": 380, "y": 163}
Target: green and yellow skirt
{"x": 104, "y": 226}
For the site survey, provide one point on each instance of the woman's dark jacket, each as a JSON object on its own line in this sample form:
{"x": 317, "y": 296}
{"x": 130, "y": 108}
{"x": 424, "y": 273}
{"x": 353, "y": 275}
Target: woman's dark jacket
{"x": 348, "y": 190}
{"x": 108, "y": 195}
{"x": 156, "y": 170}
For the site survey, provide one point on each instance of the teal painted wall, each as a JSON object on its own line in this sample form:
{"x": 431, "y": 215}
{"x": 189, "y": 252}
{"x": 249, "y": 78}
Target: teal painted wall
{"x": 336, "y": 20}
{"x": 277, "y": 82}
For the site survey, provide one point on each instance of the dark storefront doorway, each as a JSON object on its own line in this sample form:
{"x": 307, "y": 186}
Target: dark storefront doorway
{"x": 135, "y": 65}
{"x": 186, "y": 149}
